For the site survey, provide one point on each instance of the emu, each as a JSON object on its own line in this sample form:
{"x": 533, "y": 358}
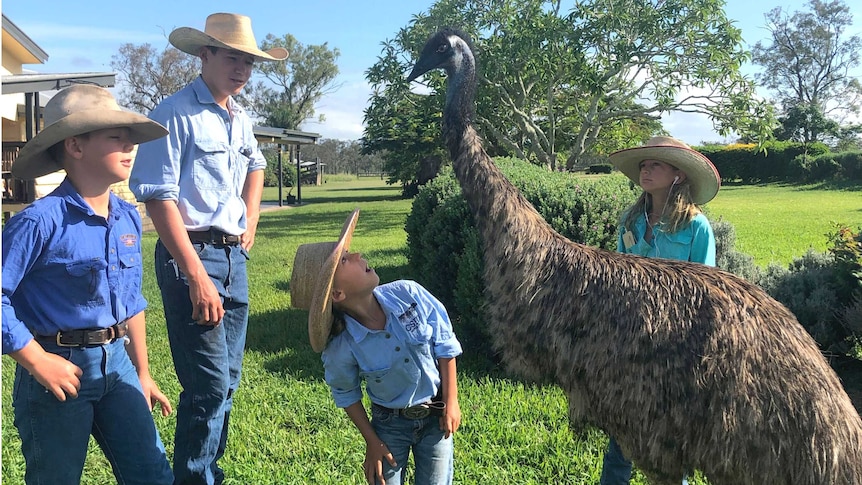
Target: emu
{"x": 688, "y": 366}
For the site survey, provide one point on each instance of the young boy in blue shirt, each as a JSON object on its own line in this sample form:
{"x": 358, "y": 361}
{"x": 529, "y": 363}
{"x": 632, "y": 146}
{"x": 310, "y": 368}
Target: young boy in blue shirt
{"x": 73, "y": 312}
{"x": 398, "y": 338}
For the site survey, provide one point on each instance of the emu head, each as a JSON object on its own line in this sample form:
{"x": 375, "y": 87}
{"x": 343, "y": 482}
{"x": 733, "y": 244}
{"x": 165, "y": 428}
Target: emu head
{"x": 445, "y": 50}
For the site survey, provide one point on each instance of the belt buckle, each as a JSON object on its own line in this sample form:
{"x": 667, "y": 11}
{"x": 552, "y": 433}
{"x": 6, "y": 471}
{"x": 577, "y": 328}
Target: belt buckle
{"x": 61, "y": 344}
{"x": 420, "y": 411}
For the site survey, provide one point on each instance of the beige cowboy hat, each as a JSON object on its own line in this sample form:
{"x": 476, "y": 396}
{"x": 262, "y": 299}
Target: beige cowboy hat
{"x": 311, "y": 281}
{"x": 225, "y": 30}
{"x": 700, "y": 172}
{"x": 73, "y": 111}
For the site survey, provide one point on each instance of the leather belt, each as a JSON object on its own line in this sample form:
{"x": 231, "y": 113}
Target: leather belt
{"x": 419, "y": 411}
{"x": 87, "y": 337}
{"x": 214, "y": 237}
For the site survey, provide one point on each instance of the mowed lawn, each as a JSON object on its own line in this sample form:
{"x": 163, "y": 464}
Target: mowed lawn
{"x": 285, "y": 428}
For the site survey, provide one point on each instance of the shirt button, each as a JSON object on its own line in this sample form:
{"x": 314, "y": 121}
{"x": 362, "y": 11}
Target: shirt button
{"x": 398, "y": 349}
{"x": 406, "y": 360}
{"x": 387, "y": 335}
{"x": 112, "y": 251}
{"x": 113, "y": 268}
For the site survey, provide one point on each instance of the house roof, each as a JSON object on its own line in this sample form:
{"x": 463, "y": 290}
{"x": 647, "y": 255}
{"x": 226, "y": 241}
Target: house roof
{"x": 20, "y": 45}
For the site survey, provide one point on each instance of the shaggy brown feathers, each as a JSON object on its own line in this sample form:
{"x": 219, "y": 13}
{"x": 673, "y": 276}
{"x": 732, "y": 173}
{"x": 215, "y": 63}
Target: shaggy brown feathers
{"x": 687, "y": 366}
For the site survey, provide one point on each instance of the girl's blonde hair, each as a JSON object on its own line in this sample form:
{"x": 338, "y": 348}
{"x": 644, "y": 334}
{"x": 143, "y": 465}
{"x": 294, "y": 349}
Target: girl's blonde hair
{"x": 678, "y": 211}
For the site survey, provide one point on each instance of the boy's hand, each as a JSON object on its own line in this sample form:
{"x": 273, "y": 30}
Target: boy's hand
{"x": 207, "y": 308}
{"x": 57, "y": 374}
{"x": 154, "y": 395}
{"x": 451, "y": 419}
{"x": 374, "y": 456}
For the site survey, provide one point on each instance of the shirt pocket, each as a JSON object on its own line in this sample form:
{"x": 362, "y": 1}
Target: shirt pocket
{"x": 87, "y": 285}
{"x": 387, "y": 384}
{"x": 419, "y": 334}
{"x": 211, "y": 165}
{"x": 676, "y": 245}
{"x": 131, "y": 271}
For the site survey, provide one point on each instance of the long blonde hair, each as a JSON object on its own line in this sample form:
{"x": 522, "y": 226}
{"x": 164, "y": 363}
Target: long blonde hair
{"x": 678, "y": 211}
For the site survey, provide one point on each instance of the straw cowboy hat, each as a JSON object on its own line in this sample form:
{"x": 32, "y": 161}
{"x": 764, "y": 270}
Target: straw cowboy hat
{"x": 700, "y": 172}
{"x": 227, "y": 31}
{"x": 311, "y": 282}
{"x": 76, "y": 110}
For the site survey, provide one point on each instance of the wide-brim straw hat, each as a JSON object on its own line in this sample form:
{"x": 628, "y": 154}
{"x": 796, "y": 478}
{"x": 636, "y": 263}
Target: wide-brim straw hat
{"x": 311, "y": 281}
{"x": 73, "y": 111}
{"x": 701, "y": 174}
{"x": 227, "y": 31}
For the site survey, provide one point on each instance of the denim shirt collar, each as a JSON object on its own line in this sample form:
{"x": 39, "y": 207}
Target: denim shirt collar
{"x": 205, "y": 96}
{"x": 391, "y": 307}
{"x": 70, "y": 195}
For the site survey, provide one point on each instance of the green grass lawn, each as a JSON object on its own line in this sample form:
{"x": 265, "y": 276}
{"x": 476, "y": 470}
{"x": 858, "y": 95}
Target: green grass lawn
{"x": 285, "y": 428}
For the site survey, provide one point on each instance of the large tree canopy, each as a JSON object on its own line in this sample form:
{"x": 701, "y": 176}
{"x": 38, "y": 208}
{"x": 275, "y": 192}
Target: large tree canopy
{"x": 299, "y": 83}
{"x": 148, "y": 76}
{"x": 570, "y": 83}
{"x": 808, "y": 65}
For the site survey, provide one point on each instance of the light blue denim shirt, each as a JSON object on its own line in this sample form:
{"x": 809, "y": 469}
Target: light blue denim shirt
{"x": 67, "y": 268}
{"x": 203, "y": 163}
{"x": 398, "y": 363}
{"x": 694, "y": 242}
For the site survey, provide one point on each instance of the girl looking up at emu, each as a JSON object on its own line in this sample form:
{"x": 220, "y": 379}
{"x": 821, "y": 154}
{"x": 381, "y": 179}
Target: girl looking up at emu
{"x": 665, "y": 222}
{"x": 398, "y": 338}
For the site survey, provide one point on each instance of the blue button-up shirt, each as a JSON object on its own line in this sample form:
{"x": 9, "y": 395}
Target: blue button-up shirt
{"x": 67, "y": 268}
{"x": 398, "y": 363}
{"x": 694, "y": 242}
{"x": 203, "y": 163}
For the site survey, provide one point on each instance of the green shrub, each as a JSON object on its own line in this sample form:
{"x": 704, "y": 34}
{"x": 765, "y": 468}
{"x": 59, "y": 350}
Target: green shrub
{"x": 851, "y": 165}
{"x": 728, "y": 258}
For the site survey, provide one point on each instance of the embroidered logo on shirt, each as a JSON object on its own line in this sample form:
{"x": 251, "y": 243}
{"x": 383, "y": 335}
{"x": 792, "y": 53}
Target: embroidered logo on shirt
{"x": 129, "y": 240}
{"x": 410, "y": 319}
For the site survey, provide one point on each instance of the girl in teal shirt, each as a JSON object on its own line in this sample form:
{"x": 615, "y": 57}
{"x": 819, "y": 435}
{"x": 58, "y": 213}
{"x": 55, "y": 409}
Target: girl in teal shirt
{"x": 665, "y": 222}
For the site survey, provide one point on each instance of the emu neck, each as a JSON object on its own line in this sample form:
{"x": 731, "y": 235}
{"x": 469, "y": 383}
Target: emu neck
{"x": 495, "y": 203}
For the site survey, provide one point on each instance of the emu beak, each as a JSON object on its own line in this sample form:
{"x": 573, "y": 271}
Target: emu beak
{"x": 423, "y": 65}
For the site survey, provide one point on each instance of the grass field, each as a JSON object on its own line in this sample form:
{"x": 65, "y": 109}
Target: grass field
{"x": 285, "y": 428}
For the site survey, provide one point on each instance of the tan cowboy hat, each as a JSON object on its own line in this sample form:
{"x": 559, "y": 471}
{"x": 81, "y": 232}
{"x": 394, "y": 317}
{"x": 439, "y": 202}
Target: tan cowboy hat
{"x": 700, "y": 172}
{"x": 76, "y": 110}
{"x": 311, "y": 282}
{"x": 225, "y": 30}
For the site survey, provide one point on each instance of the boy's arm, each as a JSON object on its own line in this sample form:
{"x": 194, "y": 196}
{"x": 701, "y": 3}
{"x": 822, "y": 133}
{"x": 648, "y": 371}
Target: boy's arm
{"x": 57, "y": 374}
{"x": 207, "y": 308}
{"x": 375, "y": 449}
{"x": 451, "y": 419}
{"x": 137, "y": 350}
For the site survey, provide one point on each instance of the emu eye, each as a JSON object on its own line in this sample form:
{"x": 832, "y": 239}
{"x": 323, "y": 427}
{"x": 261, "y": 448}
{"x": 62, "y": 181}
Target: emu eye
{"x": 442, "y": 48}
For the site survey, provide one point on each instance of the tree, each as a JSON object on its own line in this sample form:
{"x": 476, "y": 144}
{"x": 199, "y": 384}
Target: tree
{"x": 556, "y": 83}
{"x": 300, "y": 82}
{"x": 808, "y": 65}
{"x": 147, "y": 76}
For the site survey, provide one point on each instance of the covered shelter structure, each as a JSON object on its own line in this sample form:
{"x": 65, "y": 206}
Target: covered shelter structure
{"x": 293, "y": 140}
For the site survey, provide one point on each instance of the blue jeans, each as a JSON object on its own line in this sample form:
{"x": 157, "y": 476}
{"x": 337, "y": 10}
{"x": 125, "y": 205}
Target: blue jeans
{"x": 617, "y": 469}
{"x": 110, "y": 406}
{"x": 207, "y": 359}
{"x": 433, "y": 455}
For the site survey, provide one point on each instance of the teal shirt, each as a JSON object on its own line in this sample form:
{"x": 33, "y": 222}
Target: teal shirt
{"x": 694, "y": 242}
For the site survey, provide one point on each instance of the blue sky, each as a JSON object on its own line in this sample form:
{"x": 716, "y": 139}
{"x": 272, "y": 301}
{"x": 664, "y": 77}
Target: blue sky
{"x": 82, "y": 37}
